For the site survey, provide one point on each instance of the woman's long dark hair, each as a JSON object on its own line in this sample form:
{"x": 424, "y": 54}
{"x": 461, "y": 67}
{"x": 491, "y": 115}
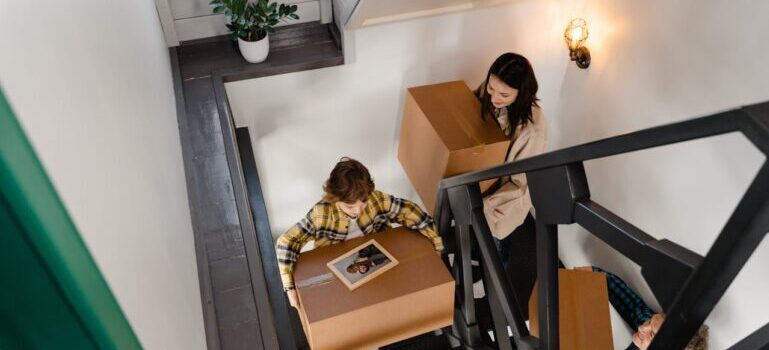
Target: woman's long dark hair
{"x": 515, "y": 71}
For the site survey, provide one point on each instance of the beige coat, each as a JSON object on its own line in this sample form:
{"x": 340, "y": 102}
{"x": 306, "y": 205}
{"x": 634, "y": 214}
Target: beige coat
{"x": 506, "y": 208}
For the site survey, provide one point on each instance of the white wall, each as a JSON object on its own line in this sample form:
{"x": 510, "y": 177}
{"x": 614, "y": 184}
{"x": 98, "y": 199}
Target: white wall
{"x": 653, "y": 63}
{"x": 342, "y": 11}
{"x": 656, "y": 62}
{"x": 90, "y": 82}
{"x": 302, "y": 123}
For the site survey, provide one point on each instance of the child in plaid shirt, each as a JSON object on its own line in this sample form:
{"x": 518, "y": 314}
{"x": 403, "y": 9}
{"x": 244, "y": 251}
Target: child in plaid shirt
{"x": 350, "y": 208}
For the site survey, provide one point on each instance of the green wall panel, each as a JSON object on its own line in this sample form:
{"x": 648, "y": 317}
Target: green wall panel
{"x": 52, "y": 295}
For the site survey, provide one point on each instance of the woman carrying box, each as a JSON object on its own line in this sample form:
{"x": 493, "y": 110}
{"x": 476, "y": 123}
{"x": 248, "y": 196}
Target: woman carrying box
{"x": 350, "y": 208}
{"x": 509, "y": 95}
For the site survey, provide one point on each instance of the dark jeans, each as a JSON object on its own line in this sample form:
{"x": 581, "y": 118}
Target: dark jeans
{"x": 520, "y": 242}
{"x": 518, "y": 253}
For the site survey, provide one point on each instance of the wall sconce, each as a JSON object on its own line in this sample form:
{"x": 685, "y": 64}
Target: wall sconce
{"x": 575, "y": 35}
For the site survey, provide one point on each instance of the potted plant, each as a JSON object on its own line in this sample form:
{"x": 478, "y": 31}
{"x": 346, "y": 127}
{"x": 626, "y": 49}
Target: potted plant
{"x": 252, "y": 22}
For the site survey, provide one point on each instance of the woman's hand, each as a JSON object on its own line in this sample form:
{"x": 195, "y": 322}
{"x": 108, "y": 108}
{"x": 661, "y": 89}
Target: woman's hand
{"x": 292, "y": 298}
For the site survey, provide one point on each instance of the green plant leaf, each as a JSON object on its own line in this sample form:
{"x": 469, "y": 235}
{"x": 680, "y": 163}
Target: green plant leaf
{"x": 253, "y": 19}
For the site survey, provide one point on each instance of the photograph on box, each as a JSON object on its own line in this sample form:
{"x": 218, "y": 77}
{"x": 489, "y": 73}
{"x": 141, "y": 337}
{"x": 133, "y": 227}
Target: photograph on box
{"x": 362, "y": 264}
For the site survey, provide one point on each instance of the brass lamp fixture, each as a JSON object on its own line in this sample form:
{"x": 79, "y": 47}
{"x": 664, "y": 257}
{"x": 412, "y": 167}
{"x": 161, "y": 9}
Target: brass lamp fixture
{"x": 575, "y": 35}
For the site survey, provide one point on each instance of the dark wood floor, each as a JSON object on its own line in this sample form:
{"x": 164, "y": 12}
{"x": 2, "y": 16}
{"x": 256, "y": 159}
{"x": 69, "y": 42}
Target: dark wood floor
{"x": 292, "y": 49}
{"x": 237, "y": 314}
{"x": 244, "y": 306}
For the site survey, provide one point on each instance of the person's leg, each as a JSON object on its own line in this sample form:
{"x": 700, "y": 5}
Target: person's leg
{"x": 626, "y": 301}
{"x": 503, "y": 248}
{"x": 520, "y": 250}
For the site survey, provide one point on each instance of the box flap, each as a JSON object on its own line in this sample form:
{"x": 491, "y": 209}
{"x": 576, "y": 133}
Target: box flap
{"x": 583, "y": 303}
{"x": 454, "y": 112}
{"x": 324, "y": 296}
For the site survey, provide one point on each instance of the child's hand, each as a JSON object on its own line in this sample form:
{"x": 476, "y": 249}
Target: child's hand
{"x": 292, "y": 298}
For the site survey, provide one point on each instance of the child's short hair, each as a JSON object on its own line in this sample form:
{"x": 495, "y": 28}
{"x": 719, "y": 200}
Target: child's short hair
{"x": 349, "y": 182}
{"x": 700, "y": 339}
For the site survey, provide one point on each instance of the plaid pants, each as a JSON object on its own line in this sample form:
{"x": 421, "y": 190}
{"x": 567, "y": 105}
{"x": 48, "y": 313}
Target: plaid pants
{"x": 628, "y": 304}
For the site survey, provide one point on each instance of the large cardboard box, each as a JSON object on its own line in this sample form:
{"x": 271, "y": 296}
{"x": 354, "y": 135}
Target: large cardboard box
{"x": 443, "y": 135}
{"x": 414, "y": 297}
{"x": 583, "y": 311}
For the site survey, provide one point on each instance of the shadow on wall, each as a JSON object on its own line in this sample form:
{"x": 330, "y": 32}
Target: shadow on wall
{"x": 646, "y": 71}
{"x": 657, "y": 63}
{"x": 465, "y": 52}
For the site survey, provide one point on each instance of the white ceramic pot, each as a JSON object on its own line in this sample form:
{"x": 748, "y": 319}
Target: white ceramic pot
{"x": 255, "y": 51}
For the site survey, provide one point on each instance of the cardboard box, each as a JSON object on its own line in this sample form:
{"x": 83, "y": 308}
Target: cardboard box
{"x": 414, "y": 297}
{"x": 443, "y": 135}
{"x": 583, "y": 311}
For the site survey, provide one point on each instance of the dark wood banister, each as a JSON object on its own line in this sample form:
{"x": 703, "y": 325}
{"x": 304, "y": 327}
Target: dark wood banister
{"x": 560, "y": 194}
{"x": 720, "y": 123}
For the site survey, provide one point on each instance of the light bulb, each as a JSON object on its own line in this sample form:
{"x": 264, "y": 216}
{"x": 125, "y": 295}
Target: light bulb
{"x": 576, "y": 33}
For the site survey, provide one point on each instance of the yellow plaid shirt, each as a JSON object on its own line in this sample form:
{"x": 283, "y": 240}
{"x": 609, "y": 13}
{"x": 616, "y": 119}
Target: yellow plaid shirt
{"x": 326, "y": 224}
